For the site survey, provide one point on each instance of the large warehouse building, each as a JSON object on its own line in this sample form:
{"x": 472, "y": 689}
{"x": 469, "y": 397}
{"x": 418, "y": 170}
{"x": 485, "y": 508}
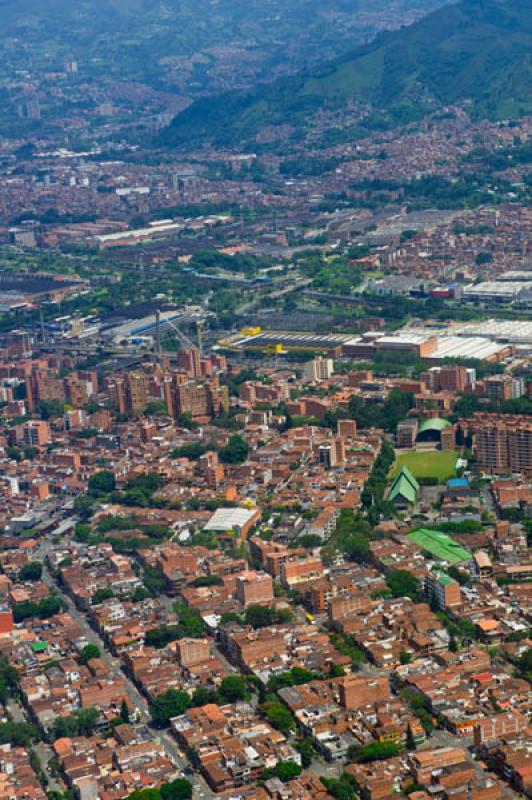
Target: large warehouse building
{"x": 428, "y": 346}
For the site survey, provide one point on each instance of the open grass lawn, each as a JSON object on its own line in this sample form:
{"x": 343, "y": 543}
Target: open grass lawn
{"x": 432, "y": 464}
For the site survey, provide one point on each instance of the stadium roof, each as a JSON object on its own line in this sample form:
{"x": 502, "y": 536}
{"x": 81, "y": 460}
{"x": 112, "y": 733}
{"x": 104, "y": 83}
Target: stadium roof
{"x": 439, "y": 545}
{"x": 434, "y": 424}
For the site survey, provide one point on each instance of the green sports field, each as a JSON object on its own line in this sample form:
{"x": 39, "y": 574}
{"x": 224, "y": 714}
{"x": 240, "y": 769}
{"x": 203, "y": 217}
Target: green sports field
{"x": 438, "y": 464}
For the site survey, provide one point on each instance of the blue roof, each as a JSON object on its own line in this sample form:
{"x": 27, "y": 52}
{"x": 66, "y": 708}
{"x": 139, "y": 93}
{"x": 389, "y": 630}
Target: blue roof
{"x": 457, "y": 483}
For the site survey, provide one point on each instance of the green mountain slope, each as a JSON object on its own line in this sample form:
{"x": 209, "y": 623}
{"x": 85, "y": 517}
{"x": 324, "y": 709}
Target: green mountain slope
{"x": 476, "y": 52}
{"x": 233, "y": 43}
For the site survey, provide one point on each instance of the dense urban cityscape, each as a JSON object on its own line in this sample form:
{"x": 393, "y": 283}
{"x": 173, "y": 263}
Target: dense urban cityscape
{"x": 265, "y": 400}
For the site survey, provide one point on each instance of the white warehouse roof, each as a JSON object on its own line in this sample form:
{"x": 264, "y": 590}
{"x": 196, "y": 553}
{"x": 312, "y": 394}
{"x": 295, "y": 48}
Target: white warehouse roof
{"x": 227, "y": 519}
{"x": 465, "y": 347}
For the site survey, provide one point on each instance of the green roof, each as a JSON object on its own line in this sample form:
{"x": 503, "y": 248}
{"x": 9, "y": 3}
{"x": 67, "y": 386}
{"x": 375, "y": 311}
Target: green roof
{"x": 39, "y": 647}
{"x": 444, "y": 579}
{"x": 404, "y": 489}
{"x": 409, "y": 476}
{"x": 434, "y": 424}
{"x": 404, "y": 485}
{"x": 439, "y": 545}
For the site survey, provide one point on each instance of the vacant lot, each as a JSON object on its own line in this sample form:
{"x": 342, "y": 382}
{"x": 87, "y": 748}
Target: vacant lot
{"x": 433, "y": 464}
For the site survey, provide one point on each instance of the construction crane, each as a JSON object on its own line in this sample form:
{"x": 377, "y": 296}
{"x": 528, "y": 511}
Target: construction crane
{"x": 199, "y": 329}
{"x": 182, "y": 338}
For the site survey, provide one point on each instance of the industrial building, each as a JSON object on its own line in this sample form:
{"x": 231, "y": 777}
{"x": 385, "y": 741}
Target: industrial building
{"x": 510, "y": 331}
{"x": 145, "y": 327}
{"x": 256, "y": 339}
{"x": 237, "y": 521}
{"x": 427, "y": 345}
{"x": 496, "y": 291}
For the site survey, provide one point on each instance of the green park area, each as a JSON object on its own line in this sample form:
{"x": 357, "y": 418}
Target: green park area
{"x": 439, "y": 464}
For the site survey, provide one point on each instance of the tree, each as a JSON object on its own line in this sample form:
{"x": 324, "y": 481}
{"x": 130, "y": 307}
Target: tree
{"x": 89, "y": 652}
{"x": 87, "y": 719}
{"x": 410, "y": 741}
{"x": 278, "y": 716}
{"x": 140, "y": 594}
{"x": 9, "y": 680}
{"x": 163, "y": 635}
{"x": 84, "y": 506}
{"x": 190, "y": 621}
{"x": 343, "y": 788}
{"x": 192, "y": 451}
{"x": 357, "y": 549}
{"x": 483, "y": 258}
{"x": 102, "y": 482}
{"x": 234, "y": 688}
{"x": 14, "y": 453}
{"x": 18, "y": 734}
{"x": 305, "y": 748}
{"x": 30, "y": 453}
{"x": 376, "y": 751}
{"x": 284, "y": 770}
{"x": 105, "y": 593}
{"x": 309, "y": 540}
{"x": 180, "y": 789}
{"x": 172, "y": 703}
{"x": 525, "y": 663}
{"x": 458, "y": 574}
{"x": 32, "y": 571}
{"x": 124, "y": 712}
{"x": 292, "y": 677}
{"x": 135, "y": 497}
{"x": 207, "y": 580}
{"x": 45, "y": 608}
{"x": 145, "y": 794}
{"x": 203, "y": 696}
{"x": 51, "y": 408}
{"x": 259, "y": 616}
{"x": 82, "y": 723}
{"x": 153, "y": 581}
{"x": 235, "y": 452}
{"x": 403, "y": 584}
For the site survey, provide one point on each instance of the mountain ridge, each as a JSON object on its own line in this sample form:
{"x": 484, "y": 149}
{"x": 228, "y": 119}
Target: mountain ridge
{"x": 474, "y": 52}
{"x": 132, "y": 37}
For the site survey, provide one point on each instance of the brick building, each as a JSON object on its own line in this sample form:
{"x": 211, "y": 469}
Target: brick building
{"x": 501, "y": 442}
{"x": 254, "y": 588}
{"x": 442, "y": 591}
{"x": 358, "y": 692}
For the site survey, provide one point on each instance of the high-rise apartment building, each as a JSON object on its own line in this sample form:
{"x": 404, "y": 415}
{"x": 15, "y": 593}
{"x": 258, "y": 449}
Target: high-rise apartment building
{"x": 501, "y": 442}
{"x": 319, "y": 369}
{"x": 442, "y": 591}
{"x": 190, "y": 362}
